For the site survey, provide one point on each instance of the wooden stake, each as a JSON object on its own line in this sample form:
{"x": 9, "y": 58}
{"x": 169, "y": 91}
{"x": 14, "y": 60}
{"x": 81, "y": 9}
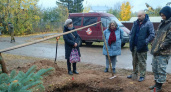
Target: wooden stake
{"x": 107, "y": 50}
{"x": 3, "y": 65}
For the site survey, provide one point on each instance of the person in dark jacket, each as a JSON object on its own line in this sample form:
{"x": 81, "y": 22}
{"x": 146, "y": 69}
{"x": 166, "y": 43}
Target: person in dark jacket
{"x": 141, "y": 34}
{"x": 71, "y": 41}
{"x": 11, "y": 31}
{"x": 161, "y": 48}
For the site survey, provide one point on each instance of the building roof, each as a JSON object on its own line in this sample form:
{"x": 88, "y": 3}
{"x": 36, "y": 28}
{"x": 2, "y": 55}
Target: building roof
{"x": 99, "y": 8}
{"x": 152, "y": 19}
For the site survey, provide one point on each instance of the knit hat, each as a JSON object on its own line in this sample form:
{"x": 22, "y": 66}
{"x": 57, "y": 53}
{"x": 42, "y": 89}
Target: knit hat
{"x": 68, "y": 21}
{"x": 9, "y": 23}
{"x": 166, "y": 11}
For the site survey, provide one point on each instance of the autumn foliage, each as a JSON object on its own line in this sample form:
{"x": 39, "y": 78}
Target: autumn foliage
{"x": 22, "y": 13}
{"x": 87, "y": 9}
{"x": 125, "y": 13}
{"x": 28, "y": 18}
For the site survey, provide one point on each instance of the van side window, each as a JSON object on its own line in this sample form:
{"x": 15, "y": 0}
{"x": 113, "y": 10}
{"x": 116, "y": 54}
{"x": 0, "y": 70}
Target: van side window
{"x": 76, "y": 21}
{"x": 89, "y": 20}
{"x": 105, "y": 21}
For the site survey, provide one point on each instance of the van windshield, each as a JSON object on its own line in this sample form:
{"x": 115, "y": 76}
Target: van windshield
{"x": 117, "y": 21}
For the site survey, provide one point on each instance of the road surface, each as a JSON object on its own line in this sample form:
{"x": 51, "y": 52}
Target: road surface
{"x": 91, "y": 54}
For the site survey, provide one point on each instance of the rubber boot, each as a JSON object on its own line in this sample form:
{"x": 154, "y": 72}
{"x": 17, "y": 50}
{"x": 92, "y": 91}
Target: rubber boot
{"x": 106, "y": 70}
{"x": 152, "y": 87}
{"x": 75, "y": 71}
{"x": 70, "y": 73}
{"x": 113, "y": 70}
{"x": 158, "y": 86}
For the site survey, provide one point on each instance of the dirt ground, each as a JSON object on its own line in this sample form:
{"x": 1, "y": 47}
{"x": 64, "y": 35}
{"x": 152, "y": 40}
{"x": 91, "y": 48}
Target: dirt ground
{"x": 91, "y": 78}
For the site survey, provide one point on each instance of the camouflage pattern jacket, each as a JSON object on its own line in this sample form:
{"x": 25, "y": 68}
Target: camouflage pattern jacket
{"x": 162, "y": 42}
{"x": 11, "y": 28}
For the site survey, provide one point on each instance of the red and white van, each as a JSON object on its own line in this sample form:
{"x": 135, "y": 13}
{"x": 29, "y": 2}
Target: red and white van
{"x": 93, "y": 33}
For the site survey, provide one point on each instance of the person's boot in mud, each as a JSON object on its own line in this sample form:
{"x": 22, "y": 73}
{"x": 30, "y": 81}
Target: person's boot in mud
{"x": 74, "y": 69}
{"x": 152, "y": 87}
{"x": 70, "y": 73}
{"x": 106, "y": 70}
{"x": 69, "y": 67}
{"x": 158, "y": 87}
{"x": 113, "y": 70}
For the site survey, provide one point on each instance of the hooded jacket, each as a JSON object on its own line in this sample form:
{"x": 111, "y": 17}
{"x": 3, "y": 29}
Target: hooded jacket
{"x": 140, "y": 37}
{"x": 162, "y": 42}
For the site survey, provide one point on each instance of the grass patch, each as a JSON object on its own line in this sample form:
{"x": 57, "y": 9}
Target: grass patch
{"x": 53, "y": 40}
{"x": 98, "y": 43}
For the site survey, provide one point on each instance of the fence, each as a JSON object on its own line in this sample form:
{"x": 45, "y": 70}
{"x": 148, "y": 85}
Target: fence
{"x": 130, "y": 24}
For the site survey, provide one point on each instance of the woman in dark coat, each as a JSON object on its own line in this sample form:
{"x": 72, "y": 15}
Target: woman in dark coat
{"x": 71, "y": 41}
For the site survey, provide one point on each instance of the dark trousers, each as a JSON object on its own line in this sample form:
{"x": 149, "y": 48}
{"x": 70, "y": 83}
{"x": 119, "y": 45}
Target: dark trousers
{"x": 69, "y": 65}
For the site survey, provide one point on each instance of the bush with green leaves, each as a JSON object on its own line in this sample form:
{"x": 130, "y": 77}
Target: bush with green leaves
{"x": 24, "y": 82}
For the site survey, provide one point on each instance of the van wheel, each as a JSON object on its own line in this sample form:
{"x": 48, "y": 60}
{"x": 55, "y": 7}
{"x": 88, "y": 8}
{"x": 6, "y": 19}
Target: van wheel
{"x": 89, "y": 43}
{"x": 123, "y": 44}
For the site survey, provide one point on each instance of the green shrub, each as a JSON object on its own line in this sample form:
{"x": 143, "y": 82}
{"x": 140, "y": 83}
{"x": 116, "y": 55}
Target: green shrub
{"x": 24, "y": 82}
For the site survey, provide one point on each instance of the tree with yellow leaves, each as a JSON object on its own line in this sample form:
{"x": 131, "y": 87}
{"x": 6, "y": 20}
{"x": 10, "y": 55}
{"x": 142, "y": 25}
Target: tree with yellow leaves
{"x": 22, "y": 13}
{"x": 86, "y": 9}
{"x": 125, "y": 13}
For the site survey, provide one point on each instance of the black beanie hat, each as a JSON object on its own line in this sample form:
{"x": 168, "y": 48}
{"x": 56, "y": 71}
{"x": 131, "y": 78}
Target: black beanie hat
{"x": 166, "y": 11}
{"x": 9, "y": 23}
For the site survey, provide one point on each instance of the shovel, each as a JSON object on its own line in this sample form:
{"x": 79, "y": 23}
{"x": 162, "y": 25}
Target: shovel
{"x": 107, "y": 53}
{"x": 57, "y": 38}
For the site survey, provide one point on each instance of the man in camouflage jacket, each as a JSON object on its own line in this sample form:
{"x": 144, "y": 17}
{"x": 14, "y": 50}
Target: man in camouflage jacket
{"x": 161, "y": 48}
{"x": 11, "y": 30}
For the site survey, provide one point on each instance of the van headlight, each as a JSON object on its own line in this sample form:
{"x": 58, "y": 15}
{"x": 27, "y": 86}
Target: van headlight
{"x": 125, "y": 34}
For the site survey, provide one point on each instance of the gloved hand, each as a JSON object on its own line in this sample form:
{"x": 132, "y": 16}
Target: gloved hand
{"x": 57, "y": 38}
{"x": 162, "y": 47}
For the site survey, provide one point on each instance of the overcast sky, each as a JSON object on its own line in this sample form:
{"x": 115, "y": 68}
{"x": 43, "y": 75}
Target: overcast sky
{"x": 137, "y": 4}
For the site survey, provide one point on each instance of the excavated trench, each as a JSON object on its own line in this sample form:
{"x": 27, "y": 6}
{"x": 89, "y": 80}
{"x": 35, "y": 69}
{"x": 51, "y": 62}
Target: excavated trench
{"x": 81, "y": 87}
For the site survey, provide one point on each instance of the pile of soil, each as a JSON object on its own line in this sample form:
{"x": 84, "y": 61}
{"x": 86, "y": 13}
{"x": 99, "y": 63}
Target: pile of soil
{"x": 91, "y": 78}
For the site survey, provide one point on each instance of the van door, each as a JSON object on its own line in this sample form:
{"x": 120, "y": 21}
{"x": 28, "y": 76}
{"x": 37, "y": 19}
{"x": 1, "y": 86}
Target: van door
{"x": 90, "y": 33}
{"x": 105, "y": 22}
